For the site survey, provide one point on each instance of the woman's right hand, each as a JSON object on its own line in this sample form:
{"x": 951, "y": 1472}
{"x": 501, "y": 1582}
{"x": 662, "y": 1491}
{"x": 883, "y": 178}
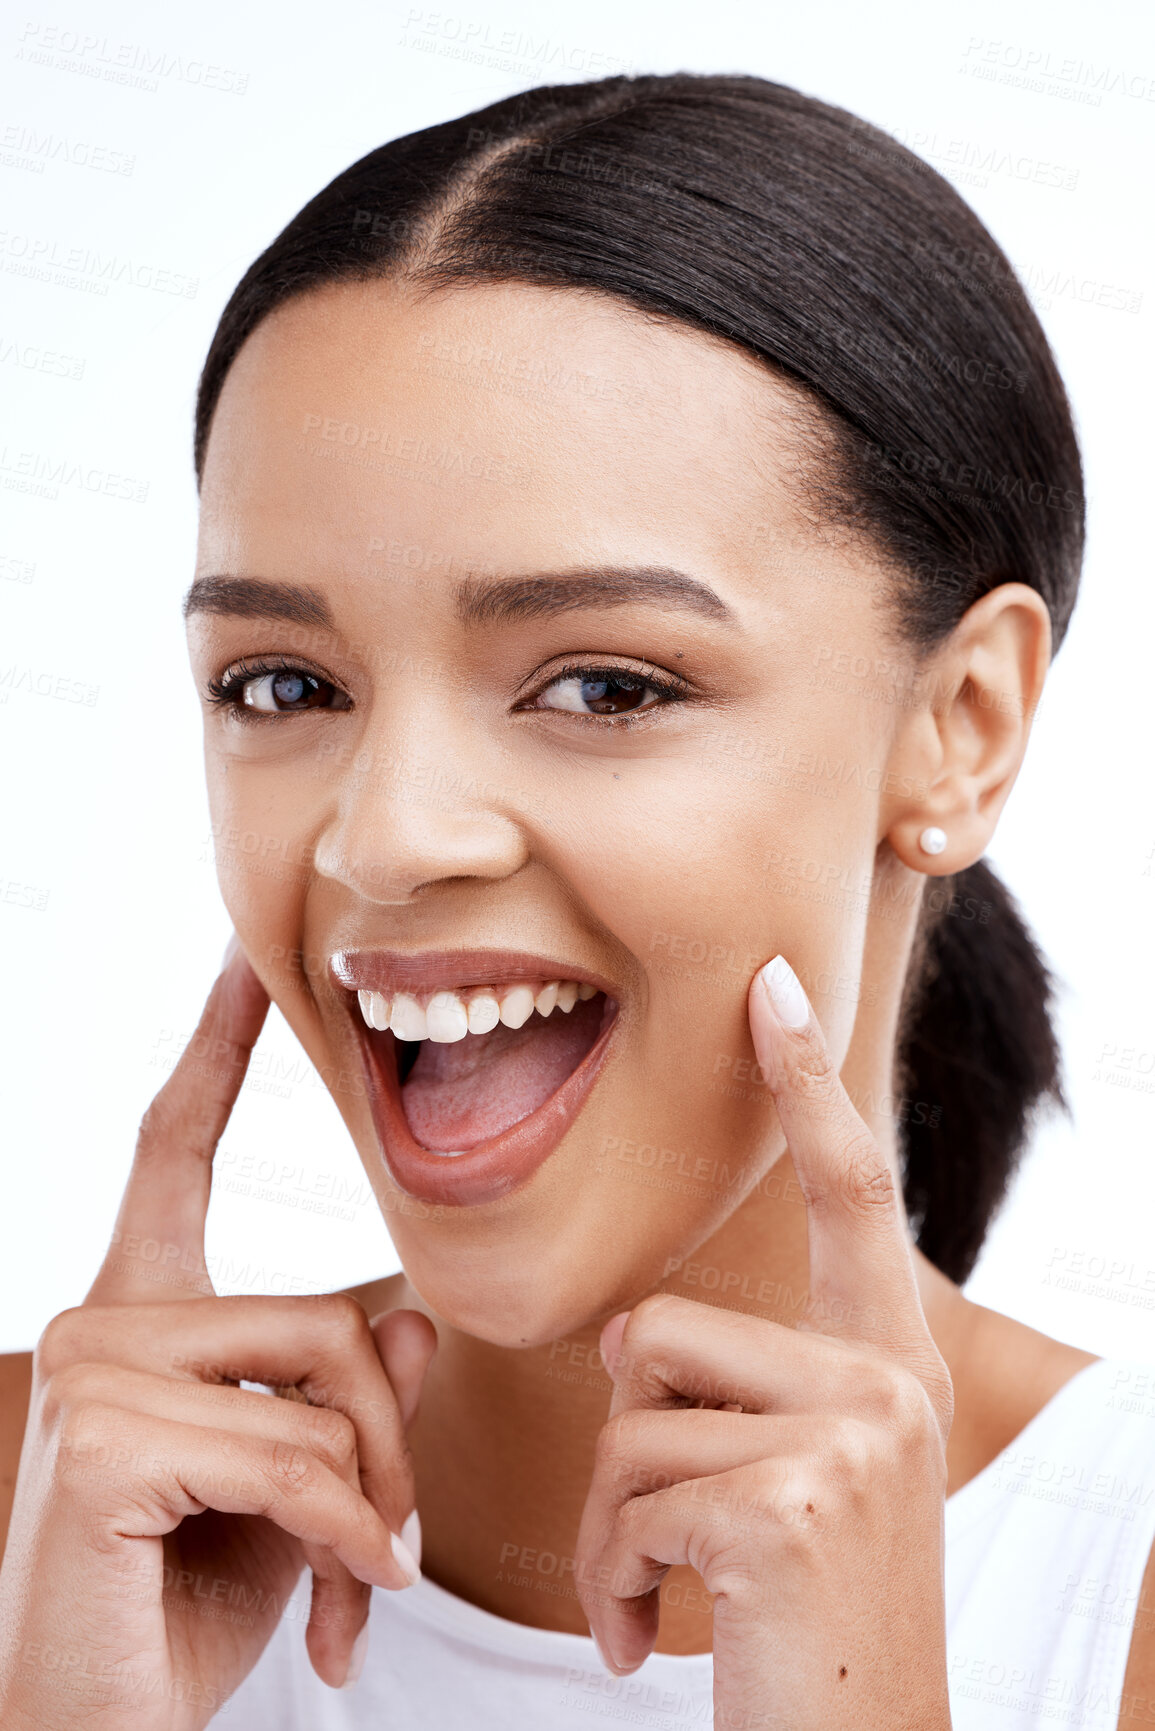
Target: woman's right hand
{"x": 163, "y": 1514}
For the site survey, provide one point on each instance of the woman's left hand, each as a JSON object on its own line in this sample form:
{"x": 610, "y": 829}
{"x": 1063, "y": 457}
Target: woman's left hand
{"x": 807, "y": 1486}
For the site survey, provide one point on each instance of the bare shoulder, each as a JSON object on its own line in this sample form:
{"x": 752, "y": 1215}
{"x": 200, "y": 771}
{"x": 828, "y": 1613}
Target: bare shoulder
{"x": 1139, "y": 1682}
{"x": 15, "y": 1387}
{"x": 1004, "y": 1372}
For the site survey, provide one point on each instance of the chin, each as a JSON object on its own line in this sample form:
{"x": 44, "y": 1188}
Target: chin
{"x": 529, "y": 1308}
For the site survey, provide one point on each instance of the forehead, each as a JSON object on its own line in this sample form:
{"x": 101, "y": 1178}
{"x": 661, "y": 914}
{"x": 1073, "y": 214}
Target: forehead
{"x": 495, "y": 425}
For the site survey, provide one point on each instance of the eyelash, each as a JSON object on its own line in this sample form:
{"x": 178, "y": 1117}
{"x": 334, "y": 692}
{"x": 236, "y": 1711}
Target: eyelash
{"x": 226, "y": 690}
{"x": 672, "y": 690}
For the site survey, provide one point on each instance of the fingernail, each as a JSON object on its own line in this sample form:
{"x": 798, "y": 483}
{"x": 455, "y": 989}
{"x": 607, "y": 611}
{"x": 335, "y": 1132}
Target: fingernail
{"x": 411, "y": 1537}
{"x": 783, "y": 988}
{"x": 607, "y": 1662}
{"x": 615, "y": 1328}
{"x": 231, "y": 949}
{"x": 405, "y": 1560}
{"x": 357, "y": 1656}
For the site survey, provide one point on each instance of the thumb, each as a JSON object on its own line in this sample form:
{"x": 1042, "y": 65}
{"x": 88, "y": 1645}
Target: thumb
{"x": 406, "y": 1341}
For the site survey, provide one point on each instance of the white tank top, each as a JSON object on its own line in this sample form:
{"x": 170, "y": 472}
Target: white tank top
{"x": 1045, "y": 1553}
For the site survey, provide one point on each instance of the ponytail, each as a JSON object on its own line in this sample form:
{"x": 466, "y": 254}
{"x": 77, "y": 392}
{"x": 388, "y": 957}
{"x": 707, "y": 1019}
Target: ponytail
{"x": 977, "y": 1059}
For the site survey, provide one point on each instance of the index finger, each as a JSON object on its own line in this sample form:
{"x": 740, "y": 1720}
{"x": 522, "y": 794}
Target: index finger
{"x": 157, "y": 1249}
{"x": 862, "y": 1282}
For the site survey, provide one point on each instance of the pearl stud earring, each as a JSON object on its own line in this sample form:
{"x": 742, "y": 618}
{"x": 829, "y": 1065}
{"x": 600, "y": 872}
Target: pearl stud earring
{"x": 932, "y": 839}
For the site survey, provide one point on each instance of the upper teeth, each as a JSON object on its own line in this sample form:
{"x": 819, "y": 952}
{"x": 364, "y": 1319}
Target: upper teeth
{"x": 444, "y": 1016}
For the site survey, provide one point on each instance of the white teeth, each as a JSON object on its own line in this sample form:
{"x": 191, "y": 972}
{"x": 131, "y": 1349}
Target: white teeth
{"x": 483, "y": 1013}
{"x": 408, "y": 1020}
{"x": 446, "y": 1018}
{"x": 374, "y": 1008}
{"x": 516, "y": 1006}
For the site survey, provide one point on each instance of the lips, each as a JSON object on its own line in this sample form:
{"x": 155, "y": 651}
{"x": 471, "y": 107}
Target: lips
{"x": 466, "y": 1123}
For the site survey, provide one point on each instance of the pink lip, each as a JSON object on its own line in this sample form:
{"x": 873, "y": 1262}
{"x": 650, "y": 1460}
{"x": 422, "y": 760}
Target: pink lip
{"x": 492, "y": 1168}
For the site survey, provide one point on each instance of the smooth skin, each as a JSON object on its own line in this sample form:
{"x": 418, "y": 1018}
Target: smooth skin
{"x": 449, "y": 802}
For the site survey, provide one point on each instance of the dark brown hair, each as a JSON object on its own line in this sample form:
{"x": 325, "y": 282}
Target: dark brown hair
{"x": 851, "y": 269}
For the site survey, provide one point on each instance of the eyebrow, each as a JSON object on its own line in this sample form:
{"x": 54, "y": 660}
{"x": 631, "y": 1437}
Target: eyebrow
{"x": 258, "y": 598}
{"x": 479, "y": 600}
{"x": 505, "y": 600}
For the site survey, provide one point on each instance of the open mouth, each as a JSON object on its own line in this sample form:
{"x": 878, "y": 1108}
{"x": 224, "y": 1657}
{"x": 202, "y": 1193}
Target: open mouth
{"x": 472, "y": 1086}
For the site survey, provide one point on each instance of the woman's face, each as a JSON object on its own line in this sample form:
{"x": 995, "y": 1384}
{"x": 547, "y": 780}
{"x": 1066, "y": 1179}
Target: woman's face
{"x": 477, "y": 508}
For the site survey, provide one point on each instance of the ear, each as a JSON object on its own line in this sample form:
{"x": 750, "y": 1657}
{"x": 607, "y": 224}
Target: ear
{"x": 961, "y": 748}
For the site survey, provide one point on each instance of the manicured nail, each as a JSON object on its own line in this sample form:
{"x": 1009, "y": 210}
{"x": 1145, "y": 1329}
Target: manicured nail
{"x": 789, "y": 1001}
{"x": 405, "y": 1560}
{"x": 357, "y": 1656}
{"x": 411, "y": 1537}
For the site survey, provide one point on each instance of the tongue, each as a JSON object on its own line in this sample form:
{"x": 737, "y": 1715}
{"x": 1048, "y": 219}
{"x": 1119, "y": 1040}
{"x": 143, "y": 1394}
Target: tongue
{"x": 466, "y": 1091}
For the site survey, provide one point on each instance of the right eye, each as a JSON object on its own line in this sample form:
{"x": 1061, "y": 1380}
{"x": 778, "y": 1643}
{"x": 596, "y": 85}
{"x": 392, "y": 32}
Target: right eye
{"x": 252, "y": 688}
{"x": 275, "y": 693}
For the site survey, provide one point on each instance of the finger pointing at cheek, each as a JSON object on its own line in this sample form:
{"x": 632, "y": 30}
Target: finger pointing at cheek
{"x": 862, "y": 1283}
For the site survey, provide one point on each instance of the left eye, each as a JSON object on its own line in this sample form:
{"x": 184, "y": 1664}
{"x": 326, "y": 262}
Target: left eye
{"x": 609, "y": 694}
{"x": 290, "y": 689}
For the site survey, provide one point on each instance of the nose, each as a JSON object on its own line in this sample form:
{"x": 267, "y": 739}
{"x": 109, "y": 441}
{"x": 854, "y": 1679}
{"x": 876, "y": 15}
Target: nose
{"x": 402, "y": 823}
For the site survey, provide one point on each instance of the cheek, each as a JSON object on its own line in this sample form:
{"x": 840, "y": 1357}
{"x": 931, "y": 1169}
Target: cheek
{"x": 699, "y": 885}
{"x": 262, "y": 840}
{"x": 718, "y": 868}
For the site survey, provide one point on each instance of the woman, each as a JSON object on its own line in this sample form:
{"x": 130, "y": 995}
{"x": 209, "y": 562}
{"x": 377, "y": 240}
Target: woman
{"x": 637, "y": 519}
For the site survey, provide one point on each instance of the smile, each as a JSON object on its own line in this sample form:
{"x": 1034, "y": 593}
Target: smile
{"x": 476, "y": 1062}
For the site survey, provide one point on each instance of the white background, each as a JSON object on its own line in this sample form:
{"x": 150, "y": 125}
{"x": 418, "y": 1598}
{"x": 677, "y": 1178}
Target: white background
{"x": 110, "y": 920}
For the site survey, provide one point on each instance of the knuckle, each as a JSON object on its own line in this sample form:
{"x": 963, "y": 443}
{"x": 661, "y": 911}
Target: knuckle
{"x": 787, "y": 1502}
{"x": 927, "y": 1407}
{"x": 769, "y": 1493}
{"x": 609, "y": 1449}
{"x": 648, "y": 1317}
{"x": 617, "y": 1445}
{"x": 157, "y": 1125}
{"x": 61, "y": 1340}
{"x": 177, "y": 1118}
{"x": 865, "y": 1182}
{"x": 812, "y": 1073}
{"x": 769, "y": 1504}
{"x": 87, "y": 1431}
{"x": 329, "y": 1435}
{"x": 852, "y": 1452}
{"x": 68, "y": 1387}
{"x": 887, "y": 1391}
{"x": 652, "y": 1324}
{"x": 343, "y": 1321}
{"x": 289, "y": 1468}
{"x": 802, "y": 1513}
{"x": 910, "y": 1404}
{"x": 935, "y": 1381}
